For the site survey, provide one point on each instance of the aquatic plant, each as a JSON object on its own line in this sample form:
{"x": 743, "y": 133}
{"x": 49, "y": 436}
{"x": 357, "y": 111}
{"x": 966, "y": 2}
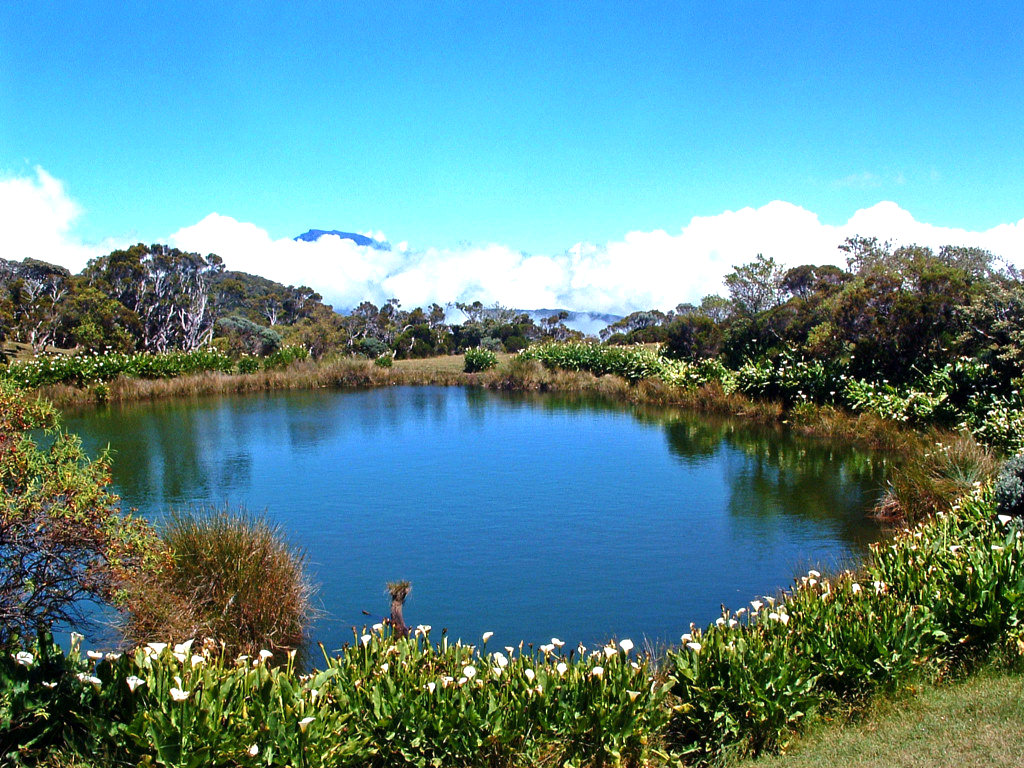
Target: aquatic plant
{"x": 479, "y": 359}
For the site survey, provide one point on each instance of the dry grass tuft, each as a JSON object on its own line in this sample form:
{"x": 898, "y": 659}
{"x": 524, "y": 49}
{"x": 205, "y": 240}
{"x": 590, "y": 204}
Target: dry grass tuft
{"x": 230, "y": 576}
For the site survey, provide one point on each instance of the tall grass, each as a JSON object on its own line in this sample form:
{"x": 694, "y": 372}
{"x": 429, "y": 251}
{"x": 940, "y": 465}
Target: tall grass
{"x": 945, "y": 467}
{"x": 231, "y": 578}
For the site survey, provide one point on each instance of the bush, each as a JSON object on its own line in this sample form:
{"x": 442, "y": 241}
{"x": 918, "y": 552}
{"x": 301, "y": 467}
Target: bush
{"x": 243, "y": 335}
{"x": 231, "y": 577}
{"x": 248, "y": 364}
{"x": 63, "y": 539}
{"x": 87, "y": 369}
{"x": 371, "y": 347}
{"x": 1009, "y": 487}
{"x": 283, "y": 357}
{"x": 384, "y": 361}
{"x": 630, "y": 363}
{"x": 479, "y": 360}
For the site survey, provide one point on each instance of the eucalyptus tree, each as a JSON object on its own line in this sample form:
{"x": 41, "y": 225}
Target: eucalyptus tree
{"x": 167, "y": 289}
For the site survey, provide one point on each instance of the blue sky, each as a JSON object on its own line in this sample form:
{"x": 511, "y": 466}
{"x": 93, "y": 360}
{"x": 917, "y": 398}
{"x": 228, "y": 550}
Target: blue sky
{"x": 530, "y": 125}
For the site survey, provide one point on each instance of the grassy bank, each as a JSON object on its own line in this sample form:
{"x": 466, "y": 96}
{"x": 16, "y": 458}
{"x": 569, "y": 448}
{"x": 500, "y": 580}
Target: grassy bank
{"x": 978, "y": 721}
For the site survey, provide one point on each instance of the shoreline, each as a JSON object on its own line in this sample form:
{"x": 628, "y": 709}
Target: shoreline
{"x": 511, "y": 375}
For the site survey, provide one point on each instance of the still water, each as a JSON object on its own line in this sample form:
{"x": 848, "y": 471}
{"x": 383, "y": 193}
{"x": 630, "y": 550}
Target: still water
{"x": 528, "y": 516}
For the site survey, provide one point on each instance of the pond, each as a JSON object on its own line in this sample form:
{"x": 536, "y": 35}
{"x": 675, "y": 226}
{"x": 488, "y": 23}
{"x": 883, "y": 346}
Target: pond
{"x": 526, "y": 515}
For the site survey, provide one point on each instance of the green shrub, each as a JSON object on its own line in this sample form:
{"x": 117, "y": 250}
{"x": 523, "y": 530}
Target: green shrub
{"x": 231, "y": 577}
{"x": 248, "y": 364}
{"x": 243, "y": 335}
{"x": 386, "y": 360}
{"x": 479, "y": 359}
{"x": 371, "y": 347}
{"x": 91, "y": 368}
{"x": 63, "y": 538}
{"x": 283, "y": 357}
{"x": 631, "y": 363}
{"x": 966, "y": 568}
{"x": 1008, "y": 490}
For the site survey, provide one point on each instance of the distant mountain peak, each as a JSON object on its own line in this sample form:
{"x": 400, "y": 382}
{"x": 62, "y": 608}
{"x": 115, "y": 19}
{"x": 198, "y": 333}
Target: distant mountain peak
{"x": 315, "y": 234}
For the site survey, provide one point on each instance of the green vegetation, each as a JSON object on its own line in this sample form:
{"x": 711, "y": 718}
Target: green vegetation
{"x": 385, "y": 701}
{"x": 904, "y": 340}
{"x": 479, "y": 359}
{"x": 95, "y": 368}
{"x": 1009, "y": 487}
{"x": 157, "y": 299}
{"x": 63, "y": 539}
{"x": 943, "y": 597}
{"x": 977, "y": 722}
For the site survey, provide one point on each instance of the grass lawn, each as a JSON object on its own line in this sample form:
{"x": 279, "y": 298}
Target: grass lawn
{"x": 979, "y": 722}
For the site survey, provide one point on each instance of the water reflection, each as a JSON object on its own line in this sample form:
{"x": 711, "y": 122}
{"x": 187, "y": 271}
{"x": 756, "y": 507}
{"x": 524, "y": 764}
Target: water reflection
{"x": 527, "y": 515}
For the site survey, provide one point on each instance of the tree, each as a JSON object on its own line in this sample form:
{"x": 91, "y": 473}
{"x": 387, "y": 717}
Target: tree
{"x": 755, "y": 287}
{"x": 900, "y": 312}
{"x": 637, "y": 327}
{"x": 716, "y": 307}
{"x": 35, "y": 295}
{"x": 167, "y": 289}
{"x": 91, "y": 320}
{"x": 693, "y": 337}
{"x": 63, "y": 539}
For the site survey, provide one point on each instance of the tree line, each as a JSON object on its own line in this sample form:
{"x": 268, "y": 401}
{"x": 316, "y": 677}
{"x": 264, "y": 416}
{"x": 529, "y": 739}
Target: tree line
{"x": 892, "y": 314}
{"x": 154, "y": 298}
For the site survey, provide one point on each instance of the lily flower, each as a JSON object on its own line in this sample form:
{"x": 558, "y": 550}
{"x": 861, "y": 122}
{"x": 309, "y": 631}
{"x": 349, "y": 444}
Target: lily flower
{"x": 134, "y": 682}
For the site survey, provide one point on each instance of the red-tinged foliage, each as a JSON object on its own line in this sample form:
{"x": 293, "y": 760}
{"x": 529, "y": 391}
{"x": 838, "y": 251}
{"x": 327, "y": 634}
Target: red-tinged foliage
{"x": 63, "y": 538}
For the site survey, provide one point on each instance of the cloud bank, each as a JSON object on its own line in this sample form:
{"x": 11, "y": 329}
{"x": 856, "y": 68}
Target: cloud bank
{"x": 36, "y": 220}
{"x": 640, "y": 271}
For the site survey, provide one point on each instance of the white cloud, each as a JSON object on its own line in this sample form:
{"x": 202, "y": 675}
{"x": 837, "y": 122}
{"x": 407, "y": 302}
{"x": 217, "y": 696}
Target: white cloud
{"x": 640, "y": 271}
{"x": 36, "y": 218}
{"x": 643, "y": 270}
